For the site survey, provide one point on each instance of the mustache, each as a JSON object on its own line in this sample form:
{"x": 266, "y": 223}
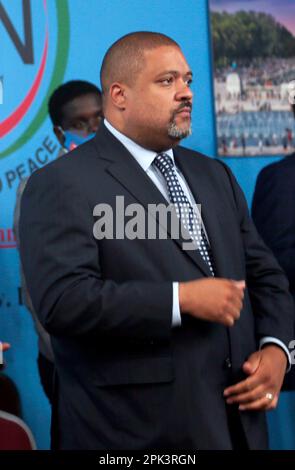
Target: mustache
{"x": 185, "y": 104}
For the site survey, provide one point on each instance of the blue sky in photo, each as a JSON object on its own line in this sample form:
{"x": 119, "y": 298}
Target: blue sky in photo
{"x": 282, "y": 10}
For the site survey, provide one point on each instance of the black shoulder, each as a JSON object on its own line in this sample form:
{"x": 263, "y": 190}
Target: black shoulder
{"x": 70, "y": 164}
{"x": 200, "y": 159}
{"x": 281, "y": 167}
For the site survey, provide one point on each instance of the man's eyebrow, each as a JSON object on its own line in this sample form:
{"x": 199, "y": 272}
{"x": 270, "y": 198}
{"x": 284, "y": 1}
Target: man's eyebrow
{"x": 174, "y": 72}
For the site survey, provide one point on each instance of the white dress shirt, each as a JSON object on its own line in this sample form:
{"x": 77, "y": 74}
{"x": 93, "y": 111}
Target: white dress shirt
{"x": 145, "y": 159}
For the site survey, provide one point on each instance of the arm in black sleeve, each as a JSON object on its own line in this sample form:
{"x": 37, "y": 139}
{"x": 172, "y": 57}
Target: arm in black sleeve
{"x": 274, "y": 216}
{"x": 61, "y": 260}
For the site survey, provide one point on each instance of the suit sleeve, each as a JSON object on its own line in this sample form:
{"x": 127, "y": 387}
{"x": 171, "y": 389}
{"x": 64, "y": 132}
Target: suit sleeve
{"x": 266, "y": 282}
{"x": 61, "y": 261}
{"x": 274, "y": 216}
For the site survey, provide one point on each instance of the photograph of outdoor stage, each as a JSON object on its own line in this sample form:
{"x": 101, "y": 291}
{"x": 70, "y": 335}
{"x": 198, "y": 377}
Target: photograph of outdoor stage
{"x": 254, "y": 72}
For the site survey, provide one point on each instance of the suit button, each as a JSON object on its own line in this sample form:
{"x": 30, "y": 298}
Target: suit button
{"x": 227, "y": 363}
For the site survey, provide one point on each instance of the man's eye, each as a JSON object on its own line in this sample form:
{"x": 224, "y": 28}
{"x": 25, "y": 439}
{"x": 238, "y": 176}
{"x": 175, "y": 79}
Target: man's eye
{"x": 78, "y": 125}
{"x": 189, "y": 81}
{"x": 167, "y": 81}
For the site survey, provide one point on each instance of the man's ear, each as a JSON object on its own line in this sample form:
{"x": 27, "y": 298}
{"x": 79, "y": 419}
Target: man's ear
{"x": 117, "y": 95}
{"x": 59, "y": 134}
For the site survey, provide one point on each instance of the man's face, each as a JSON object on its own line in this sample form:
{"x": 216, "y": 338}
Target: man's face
{"x": 83, "y": 114}
{"x": 159, "y": 103}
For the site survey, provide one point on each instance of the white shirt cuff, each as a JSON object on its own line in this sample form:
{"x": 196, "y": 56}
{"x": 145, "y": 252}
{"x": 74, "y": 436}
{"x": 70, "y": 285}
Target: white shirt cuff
{"x": 176, "y": 317}
{"x": 270, "y": 339}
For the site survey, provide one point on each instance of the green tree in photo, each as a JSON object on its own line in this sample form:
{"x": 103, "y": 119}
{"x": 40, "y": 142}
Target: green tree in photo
{"x": 244, "y": 36}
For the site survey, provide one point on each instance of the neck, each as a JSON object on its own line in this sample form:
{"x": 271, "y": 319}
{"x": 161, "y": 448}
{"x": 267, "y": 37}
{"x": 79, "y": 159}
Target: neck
{"x": 153, "y": 142}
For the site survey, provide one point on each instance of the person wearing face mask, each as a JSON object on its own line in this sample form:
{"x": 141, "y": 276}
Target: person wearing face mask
{"x": 75, "y": 109}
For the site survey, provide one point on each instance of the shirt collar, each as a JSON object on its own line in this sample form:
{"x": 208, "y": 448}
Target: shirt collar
{"x": 143, "y": 156}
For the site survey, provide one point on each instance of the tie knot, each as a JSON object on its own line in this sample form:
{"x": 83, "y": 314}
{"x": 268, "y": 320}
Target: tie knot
{"x": 163, "y": 162}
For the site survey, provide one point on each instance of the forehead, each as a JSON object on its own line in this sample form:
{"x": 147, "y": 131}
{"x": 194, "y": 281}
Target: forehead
{"x": 82, "y": 105}
{"x": 165, "y": 58}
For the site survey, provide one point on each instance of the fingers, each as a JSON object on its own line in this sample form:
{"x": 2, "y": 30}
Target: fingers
{"x": 228, "y": 320}
{"x": 247, "y": 397}
{"x": 243, "y": 387}
{"x": 217, "y": 300}
{"x": 233, "y": 309}
{"x": 238, "y": 292}
{"x": 259, "y": 391}
{"x": 262, "y": 403}
{"x": 252, "y": 364}
{"x": 240, "y": 284}
{"x": 233, "y": 302}
{"x": 250, "y": 396}
{"x": 4, "y": 346}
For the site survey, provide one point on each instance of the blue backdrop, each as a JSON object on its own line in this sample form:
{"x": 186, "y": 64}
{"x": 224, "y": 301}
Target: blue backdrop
{"x": 69, "y": 39}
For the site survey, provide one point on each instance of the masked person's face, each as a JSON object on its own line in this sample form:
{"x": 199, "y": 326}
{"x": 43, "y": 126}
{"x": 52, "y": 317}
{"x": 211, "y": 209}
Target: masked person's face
{"x": 81, "y": 119}
{"x": 159, "y": 102}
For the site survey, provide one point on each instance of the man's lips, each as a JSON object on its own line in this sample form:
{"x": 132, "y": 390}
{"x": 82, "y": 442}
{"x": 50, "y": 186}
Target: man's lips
{"x": 185, "y": 111}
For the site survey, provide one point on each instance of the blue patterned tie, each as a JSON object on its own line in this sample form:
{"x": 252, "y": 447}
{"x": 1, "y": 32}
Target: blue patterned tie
{"x": 184, "y": 210}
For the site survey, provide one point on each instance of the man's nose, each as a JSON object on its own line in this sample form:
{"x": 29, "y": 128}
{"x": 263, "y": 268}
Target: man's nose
{"x": 184, "y": 92}
{"x": 93, "y": 124}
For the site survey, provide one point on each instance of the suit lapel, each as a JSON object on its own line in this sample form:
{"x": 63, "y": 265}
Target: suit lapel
{"x": 125, "y": 169}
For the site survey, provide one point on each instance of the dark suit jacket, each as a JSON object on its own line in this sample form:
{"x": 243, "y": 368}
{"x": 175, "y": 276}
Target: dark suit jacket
{"x": 273, "y": 211}
{"x": 127, "y": 380}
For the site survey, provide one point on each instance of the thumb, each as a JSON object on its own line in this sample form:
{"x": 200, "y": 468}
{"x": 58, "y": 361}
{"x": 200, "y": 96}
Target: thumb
{"x": 240, "y": 284}
{"x": 251, "y": 365}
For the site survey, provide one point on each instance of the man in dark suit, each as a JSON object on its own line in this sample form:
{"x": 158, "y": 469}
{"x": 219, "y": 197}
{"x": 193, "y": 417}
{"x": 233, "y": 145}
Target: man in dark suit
{"x": 156, "y": 345}
{"x": 274, "y": 216}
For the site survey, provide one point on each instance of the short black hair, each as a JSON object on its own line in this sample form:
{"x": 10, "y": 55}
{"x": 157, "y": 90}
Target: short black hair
{"x": 125, "y": 58}
{"x": 66, "y": 93}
